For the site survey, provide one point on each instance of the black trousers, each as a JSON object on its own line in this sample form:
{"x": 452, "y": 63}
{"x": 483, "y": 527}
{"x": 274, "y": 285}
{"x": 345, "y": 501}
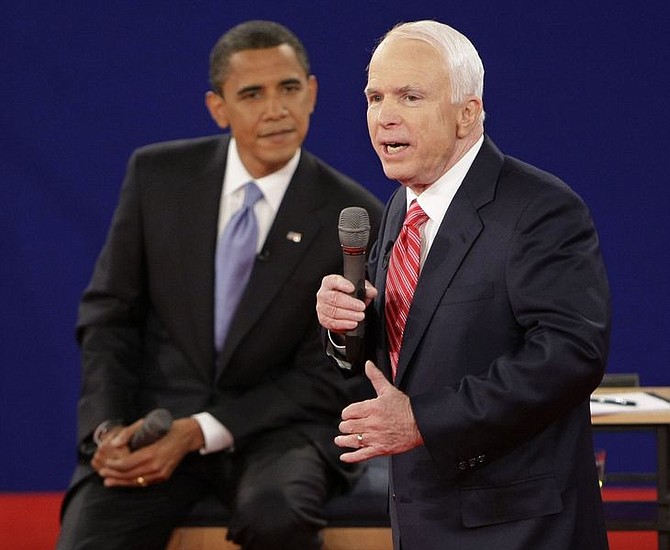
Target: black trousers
{"x": 275, "y": 490}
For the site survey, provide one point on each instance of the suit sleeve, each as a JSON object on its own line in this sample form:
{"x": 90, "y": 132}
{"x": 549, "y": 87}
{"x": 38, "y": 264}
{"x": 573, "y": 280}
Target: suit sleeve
{"x": 111, "y": 314}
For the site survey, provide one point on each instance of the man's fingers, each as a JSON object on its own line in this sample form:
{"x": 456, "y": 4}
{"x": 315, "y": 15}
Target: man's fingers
{"x": 358, "y": 410}
{"x": 336, "y": 309}
{"x": 337, "y": 282}
{"x": 370, "y": 292}
{"x": 363, "y": 450}
{"x": 359, "y": 455}
{"x": 124, "y": 436}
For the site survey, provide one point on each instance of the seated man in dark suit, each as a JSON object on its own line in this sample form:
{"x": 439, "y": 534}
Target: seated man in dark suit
{"x": 243, "y": 374}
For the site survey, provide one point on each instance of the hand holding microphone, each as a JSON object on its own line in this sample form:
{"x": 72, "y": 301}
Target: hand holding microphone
{"x": 113, "y": 463}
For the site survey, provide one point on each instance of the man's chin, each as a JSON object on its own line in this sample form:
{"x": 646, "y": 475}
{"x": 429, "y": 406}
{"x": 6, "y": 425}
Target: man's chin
{"x": 274, "y": 159}
{"x": 395, "y": 173}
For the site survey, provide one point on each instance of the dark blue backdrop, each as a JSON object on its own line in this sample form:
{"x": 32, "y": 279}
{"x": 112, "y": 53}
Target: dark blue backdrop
{"x": 578, "y": 88}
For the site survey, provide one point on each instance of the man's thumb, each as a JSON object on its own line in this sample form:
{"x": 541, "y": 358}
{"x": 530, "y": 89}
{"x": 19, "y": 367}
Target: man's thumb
{"x": 379, "y": 381}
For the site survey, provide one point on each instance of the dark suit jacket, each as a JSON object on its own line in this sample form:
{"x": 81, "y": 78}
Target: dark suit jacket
{"x": 146, "y": 319}
{"x": 506, "y": 338}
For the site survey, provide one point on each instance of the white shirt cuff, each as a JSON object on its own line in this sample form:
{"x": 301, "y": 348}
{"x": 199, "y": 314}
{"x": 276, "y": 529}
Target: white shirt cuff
{"x": 338, "y": 347}
{"x": 217, "y": 436}
{"x": 338, "y": 351}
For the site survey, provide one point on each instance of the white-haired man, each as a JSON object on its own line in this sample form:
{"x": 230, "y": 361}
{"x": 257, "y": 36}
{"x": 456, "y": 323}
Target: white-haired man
{"x": 488, "y": 317}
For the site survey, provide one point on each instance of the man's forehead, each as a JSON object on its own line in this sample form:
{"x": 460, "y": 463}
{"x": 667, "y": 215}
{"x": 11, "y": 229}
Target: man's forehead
{"x": 402, "y": 61}
{"x": 264, "y": 68}
{"x": 263, "y": 56}
{"x": 393, "y": 46}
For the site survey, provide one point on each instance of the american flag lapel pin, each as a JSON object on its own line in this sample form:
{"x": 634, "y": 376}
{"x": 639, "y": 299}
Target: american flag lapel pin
{"x": 294, "y": 236}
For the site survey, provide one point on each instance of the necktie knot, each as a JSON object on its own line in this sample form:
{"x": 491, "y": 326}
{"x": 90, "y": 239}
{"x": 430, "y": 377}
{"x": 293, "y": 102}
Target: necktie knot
{"x": 415, "y": 216}
{"x": 252, "y": 194}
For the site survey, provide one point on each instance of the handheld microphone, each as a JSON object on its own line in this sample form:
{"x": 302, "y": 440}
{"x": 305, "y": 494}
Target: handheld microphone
{"x": 354, "y": 233}
{"x": 156, "y": 424}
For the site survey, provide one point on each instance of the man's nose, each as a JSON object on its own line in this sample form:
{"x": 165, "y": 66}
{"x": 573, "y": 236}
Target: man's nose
{"x": 275, "y": 107}
{"x": 387, "y": 113}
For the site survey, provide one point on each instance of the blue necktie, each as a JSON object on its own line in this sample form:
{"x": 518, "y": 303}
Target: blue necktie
{"x": 235, "y": 255}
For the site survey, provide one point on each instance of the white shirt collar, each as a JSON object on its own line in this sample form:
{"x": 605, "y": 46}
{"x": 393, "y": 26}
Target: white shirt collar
{"x": 273, "y": 186}
{"x": 435, "y": 200}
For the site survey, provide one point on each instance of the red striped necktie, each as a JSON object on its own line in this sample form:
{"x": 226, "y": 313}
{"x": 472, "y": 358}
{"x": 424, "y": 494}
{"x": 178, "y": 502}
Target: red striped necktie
{"x": 401, "y": 279}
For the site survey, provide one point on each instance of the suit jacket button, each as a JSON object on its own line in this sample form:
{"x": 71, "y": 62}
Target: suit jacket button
{"x": 462, "y": 465}
{"x": 472, "y": 462}
{"x": 481, "y": 459}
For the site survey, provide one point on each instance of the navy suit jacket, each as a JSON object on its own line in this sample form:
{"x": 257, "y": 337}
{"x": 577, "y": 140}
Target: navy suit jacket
{"x": 146, "y": 319}
{"x": 506, "y": 338}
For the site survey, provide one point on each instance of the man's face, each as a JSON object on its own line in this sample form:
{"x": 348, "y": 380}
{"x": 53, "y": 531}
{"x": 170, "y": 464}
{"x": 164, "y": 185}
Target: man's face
{"x": 267, "y": 101}
{"x": 414, "y": 127}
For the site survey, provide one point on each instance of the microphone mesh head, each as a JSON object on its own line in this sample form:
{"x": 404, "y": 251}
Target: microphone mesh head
{"x": 354, "y": 227}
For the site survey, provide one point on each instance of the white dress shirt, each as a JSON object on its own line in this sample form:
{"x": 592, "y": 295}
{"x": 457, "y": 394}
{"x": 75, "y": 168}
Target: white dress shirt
{"x": 435, "y": 200}
{"x": 217, "y": 436}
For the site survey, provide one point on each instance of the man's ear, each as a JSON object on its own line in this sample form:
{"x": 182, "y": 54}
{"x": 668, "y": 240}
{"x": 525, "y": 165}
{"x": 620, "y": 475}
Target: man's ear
{"x": 313, "y": 90}
{"x": 469, "y": 116}
{"x": 216, "y": 106}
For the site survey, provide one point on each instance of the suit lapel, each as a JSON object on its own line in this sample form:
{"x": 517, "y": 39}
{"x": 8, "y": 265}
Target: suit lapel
{"x": 459, "y": 230}
{"x": 198, "y": 219}
{"x": 295, "y": 226}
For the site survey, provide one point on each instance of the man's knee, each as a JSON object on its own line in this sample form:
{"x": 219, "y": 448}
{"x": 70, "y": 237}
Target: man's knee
{"x": 96, "y": 517}
{"x": 278, "y": 517}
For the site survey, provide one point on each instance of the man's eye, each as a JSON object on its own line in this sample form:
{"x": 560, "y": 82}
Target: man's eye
{"x": 251, "y": 95}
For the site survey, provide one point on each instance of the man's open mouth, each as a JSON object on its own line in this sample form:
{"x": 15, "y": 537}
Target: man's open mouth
{"x": 393, "y": 148}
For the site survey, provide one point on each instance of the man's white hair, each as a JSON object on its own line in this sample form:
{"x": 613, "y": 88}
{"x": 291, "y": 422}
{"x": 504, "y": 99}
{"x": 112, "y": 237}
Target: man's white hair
{"x": 466, "y": 70}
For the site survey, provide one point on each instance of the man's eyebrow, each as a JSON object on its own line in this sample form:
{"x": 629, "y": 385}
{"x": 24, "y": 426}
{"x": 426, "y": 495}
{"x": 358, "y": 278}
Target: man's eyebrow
{"x": 249, "y": 89}
{"x": 257, "y": 87}
{"x": 396, "y": 91}
{"x": 407, "y": 88}
{"x": 291, "y": 81}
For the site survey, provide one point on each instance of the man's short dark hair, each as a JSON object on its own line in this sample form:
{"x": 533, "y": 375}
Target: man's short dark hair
{"x": 251, "y": 35}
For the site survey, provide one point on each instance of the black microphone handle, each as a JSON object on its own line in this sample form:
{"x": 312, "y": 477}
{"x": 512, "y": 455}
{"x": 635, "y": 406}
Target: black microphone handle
{"x": 354, "y": 271}
{"x": 156, "y": 424}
